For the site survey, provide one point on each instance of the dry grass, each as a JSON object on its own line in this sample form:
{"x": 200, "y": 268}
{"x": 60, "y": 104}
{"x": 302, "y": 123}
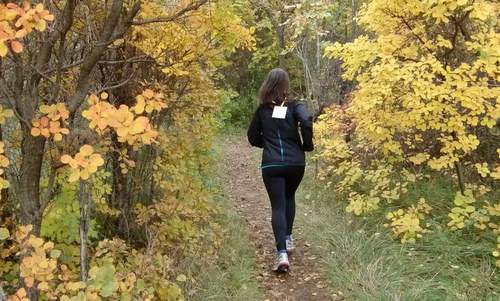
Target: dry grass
{"x": 364, "y": 263}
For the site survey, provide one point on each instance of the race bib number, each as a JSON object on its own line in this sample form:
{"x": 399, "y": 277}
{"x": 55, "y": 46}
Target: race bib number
{"x": 279, "y": 112}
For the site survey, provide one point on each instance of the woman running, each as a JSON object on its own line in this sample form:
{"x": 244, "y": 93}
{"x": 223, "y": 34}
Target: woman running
{"x": 275, "y": 128}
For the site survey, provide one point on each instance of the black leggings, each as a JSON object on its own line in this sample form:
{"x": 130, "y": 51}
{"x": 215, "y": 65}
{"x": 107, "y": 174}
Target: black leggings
{"x": 281, "y": 183}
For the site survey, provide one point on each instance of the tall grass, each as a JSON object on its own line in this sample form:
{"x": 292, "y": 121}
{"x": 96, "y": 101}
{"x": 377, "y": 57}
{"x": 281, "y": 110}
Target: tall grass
{"x": 231, "y": 276}
{"x": 364, "y": 263}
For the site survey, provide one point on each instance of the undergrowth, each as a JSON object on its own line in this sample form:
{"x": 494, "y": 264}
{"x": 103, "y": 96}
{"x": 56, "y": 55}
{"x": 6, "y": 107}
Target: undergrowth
{"x": 365, "y": 263}
{"x": 229, "y": 276}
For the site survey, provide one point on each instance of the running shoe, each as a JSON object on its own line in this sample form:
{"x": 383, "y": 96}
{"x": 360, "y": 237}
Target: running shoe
{"x": 282, "y": 264}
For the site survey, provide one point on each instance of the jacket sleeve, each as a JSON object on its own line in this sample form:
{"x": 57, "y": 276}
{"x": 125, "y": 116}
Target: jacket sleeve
{"x": 306, "y": 127}
{"x": 254, "y": 132}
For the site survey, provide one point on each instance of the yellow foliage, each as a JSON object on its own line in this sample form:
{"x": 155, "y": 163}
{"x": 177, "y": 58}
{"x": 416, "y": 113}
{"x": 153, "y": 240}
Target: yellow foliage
{"x": 189, "y": 50}
{"x": 496, "y": 252}
{"x": 467, "y": 213}
{"x": 101, "y": 189}
{"x": 409, "y": 90}
{"x": 424, "y": 99}
{"x": 4, "y": 114}
{"x": 124, "y": 121}
{"x": 200, "y": 42}
{"x": 407, "y": 224}
{"x": 117, "y": 272}
{"x": 360, "y": 204}
{"x": 463, "y": 209}
{"x": 38, "y": 262}
{"x": 149, "y": 102}
{"x": 83, "y": 164}
{"x": 364, "y": 184}
{"x": 178, "y": 216}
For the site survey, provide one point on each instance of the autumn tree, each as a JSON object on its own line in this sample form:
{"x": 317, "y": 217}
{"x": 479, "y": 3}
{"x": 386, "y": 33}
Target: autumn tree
{"x": 425, "y": 106}
{"x": 58, "y": 67}
{"x": 79, "y": 82}
{"x": 427, "y": 82}
{"x": 313, "y": 24}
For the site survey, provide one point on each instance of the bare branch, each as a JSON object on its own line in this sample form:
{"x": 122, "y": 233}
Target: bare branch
{"x": 95, "y": 54}
{"x": 136, "y": 59}
{"x": 192, "y": 7}
{"x": 66, "y": 23}
{"x": 118, "y": 85}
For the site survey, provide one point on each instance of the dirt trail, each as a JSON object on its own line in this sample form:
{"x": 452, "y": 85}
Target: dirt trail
{"x": 243, "y": 184}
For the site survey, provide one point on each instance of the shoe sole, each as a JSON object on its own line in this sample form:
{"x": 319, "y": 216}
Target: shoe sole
{"x": 283, "y": 268}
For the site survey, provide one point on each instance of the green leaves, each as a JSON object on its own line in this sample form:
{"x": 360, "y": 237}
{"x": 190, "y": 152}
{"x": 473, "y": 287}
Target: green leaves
{"x": 167, "y": 291}
{"x": 103, "y": 279}
{"x": 55, "y": 253}
{"x": 4, "y": 233}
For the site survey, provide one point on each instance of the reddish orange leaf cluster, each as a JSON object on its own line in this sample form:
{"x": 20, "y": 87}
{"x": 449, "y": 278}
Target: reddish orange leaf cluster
{"x": 52, "y": 122}
{"x": 18, "y": 21}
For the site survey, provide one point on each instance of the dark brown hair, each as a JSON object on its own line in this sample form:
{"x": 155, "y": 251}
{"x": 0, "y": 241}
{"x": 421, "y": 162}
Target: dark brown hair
{"x": 275, "y": 87}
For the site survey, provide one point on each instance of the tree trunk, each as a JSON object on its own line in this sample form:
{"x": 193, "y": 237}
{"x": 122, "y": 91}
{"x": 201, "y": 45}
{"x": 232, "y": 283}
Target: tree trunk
{"x": 31, "y": 211}
{"x": 354, "y": 10}
{"x": 460, "y": 177}
{"x": 84, "y": 197}
{"x": 120, "y": 198}
{"x": 280, "y": 32}
{"x": 32, "y": 150}
{"x": 4, "y": 194}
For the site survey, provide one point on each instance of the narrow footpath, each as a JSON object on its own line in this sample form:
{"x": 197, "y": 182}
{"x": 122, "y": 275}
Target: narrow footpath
{"x": 243, "y": 184}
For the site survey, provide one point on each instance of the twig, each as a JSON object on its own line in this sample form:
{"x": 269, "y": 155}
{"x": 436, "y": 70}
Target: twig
{"x": 123, "y": 83}
{"x": 182, "y": 12}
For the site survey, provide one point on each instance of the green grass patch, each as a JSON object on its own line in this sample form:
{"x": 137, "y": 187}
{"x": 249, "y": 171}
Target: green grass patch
{"x": 231, "y": 275}
{"x": 365, "y": 263}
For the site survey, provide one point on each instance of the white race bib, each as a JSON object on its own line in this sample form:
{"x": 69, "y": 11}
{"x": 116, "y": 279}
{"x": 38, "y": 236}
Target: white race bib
{"x": 279, "y": 112}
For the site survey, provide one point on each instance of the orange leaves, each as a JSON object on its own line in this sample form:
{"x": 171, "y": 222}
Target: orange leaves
{"x": 51, "y": 123}
{"x": 19, "y": 296}
{"x": 121, "y": 120}
{"x": 124, "y": 121}
{"x": 98, "y": 112}
{"x": 46, "y": 128}
{"x": 16, "y": 46}
{"x": 39, "y": 260}
{"x": 18, "y": 21}
{"x": 130, "y": 127}
{"x": 84, "y": 164}
{"x": 55, "y": 112}
{"x": 34, "y": 18}
{"x": 132, "y": 131}
{"x": 148, "y": 102}
{"x": 4, "y": 162}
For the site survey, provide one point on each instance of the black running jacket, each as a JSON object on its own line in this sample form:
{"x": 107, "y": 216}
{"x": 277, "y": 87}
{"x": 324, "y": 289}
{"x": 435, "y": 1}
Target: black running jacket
{"x": 280, "y": 138}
